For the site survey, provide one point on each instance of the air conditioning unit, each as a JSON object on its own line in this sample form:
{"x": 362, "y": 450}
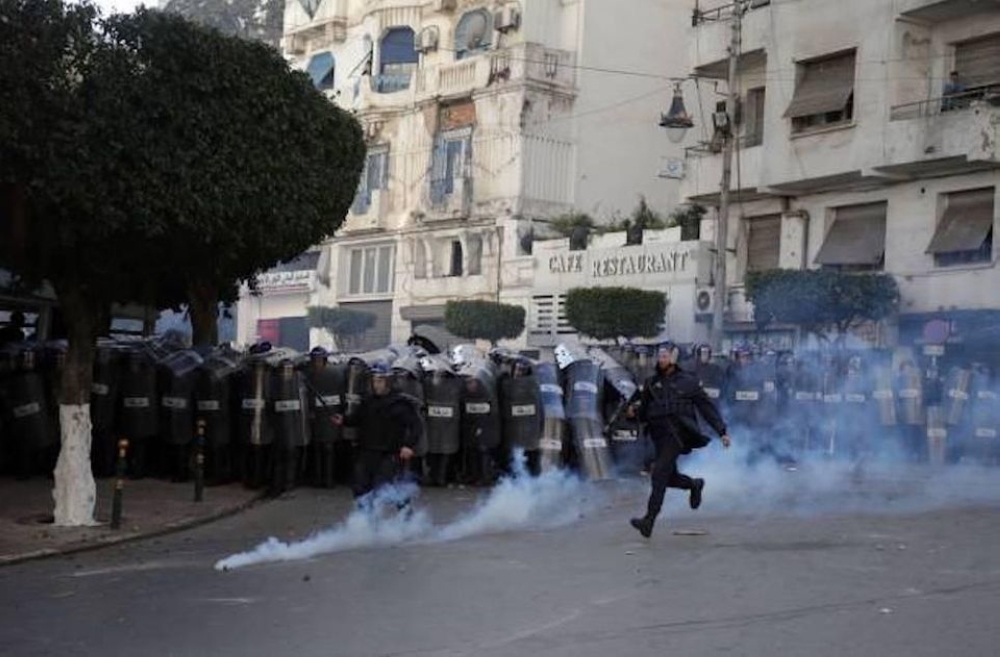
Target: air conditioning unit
{"x": 507, "y": 18}
{"x": 428, "y": 39}
{"x": 704, "y": 300}
{"x": 445, "y": 5}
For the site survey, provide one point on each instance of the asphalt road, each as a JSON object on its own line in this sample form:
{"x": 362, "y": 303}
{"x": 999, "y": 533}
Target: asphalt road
{"x": 853, "y": 566}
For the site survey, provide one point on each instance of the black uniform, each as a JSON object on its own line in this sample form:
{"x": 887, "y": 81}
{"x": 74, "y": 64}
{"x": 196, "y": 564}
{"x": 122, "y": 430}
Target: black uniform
{"x": 387, "y": 423}
{"x": 669, "y": 402}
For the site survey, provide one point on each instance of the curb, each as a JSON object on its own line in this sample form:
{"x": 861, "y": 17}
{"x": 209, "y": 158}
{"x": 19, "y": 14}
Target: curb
{"x": 112, "y": 539}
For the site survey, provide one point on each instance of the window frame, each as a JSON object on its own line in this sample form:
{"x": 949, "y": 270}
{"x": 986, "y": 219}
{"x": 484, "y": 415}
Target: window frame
{"x": 371, "y": 270}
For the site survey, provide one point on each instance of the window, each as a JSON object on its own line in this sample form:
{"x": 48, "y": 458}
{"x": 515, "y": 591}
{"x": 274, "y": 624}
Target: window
{"x": 455, "y": 268}
{"x": 763, "y": 242}
{"x": 397, "y": 60}
{"x": 475, "y": 256}
{"x": 753, "y": 118}
{"x": 824, "y": 94}
{"x": 965, "y": 233}
{"x": 977, "y": 63}
{"x": 856, "y": 239}
{"x": 371, "y": 270}
{"x": 321, "y": 70}
{"x": 472, "y": 34}
{"x": 450, "y": 161}
{"x": 374, "y": 177}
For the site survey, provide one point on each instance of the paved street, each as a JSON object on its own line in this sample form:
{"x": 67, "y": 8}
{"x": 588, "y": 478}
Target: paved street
{"x": 812, "y": 562}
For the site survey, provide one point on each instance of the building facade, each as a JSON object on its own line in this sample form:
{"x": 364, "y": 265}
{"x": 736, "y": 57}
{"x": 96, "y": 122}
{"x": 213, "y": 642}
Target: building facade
{"x": 859, "y": 150}
{"x": 482, "y": 117}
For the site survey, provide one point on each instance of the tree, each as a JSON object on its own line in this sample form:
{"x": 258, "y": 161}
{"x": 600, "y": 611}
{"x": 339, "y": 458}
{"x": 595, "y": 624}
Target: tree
{"x": 484, "y": 320}
{"x": 120, "y": 181}
{"x": 821, "y": 301}
{"x": 261, "y": 165}
{"x": 688, "y": 217}
{"x": 607, "y": 313}
{"x": 344, "y": 324}
{"x": 248, "y": 19}
{"x": 73, "y": 184}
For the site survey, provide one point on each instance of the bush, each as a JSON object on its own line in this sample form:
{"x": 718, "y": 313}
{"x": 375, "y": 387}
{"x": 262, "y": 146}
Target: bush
{"x": 606, "y": 313}
{"x": 484, "y": 320}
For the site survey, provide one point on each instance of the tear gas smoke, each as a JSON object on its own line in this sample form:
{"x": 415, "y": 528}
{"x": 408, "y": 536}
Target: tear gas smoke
{"x": 519, "y": 502}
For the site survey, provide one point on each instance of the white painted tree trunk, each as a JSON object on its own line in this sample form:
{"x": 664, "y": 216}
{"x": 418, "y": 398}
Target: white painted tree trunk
{"x": 75, "y": 493}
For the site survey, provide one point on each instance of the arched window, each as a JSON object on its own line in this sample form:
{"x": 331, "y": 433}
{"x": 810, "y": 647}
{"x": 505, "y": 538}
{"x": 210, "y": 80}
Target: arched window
{"x": 455, "y": 268}
{"x": 397, "y": 60}
{"x": 473, "y": 34}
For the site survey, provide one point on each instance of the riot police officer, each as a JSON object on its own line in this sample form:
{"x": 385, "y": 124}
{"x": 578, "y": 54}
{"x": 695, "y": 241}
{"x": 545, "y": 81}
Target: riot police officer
{"x": 389, "y": 426}
{"x": 668, "y": 405}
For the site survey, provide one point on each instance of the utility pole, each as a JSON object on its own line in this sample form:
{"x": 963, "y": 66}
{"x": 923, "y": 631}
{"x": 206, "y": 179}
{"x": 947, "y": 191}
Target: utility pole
{"x": 729, "y": 137}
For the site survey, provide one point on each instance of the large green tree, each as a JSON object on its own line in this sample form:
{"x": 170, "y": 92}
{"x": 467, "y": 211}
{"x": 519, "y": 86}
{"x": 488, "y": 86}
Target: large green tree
{"x": 261, "y": 165}
{"x": 608, "y": 313}
{"x": 821, "y": 301}
{"x": 119, "y": 180}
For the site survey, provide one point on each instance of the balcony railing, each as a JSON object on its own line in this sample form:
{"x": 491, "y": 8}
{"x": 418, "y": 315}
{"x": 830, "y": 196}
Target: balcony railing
{"x": 943, "y": 104}
{"x": 388, "y": 83}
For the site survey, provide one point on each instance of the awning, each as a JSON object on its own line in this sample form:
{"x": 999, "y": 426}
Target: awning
{"x": 320, "y": 69}
{"x": 826, "y": 86}
{"x": 857, "y": 236}
{"x": 966, "y": 222}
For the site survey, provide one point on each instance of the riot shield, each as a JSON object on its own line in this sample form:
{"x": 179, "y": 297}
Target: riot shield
{"x": 214, "y": 398}
{"x": 291, "y": 428}
{"x": 583, "y": 409}
{"x": 884, "y": 395}
{"x": 408, "y": 382}
{"x": 712, "y": 379}
{"x": 104, "y": 390}
{"x": 327, "y": 387}
{"x": 553, "y": 415}
{"x": 909, "y": 393}
{"x": 178, "y": 374}
{"x": 956, "y": 395}
{"x": 443, "y": 396}
{"x": 985, "y": 415}
{"x": 520, "y": 402}
{"x": 358, "y": 389}
{"x": 480, "y": 409}
{"x": 744, "y": 396}
{"x": 255, "y": 425}
{"x": 137, "y": 414}
{"x": 29, "y": 410}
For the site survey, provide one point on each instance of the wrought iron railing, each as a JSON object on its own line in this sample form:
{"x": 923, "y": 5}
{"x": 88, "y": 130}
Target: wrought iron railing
{"x": 945, "y": 103}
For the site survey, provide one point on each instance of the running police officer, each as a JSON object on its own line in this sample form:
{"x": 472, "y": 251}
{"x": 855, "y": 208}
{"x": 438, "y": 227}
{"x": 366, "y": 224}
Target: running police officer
{"x": 668, "y": 403}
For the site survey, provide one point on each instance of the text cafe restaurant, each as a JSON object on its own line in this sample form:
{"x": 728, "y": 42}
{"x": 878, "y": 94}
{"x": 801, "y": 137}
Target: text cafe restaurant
{"x": 681, "y": 270}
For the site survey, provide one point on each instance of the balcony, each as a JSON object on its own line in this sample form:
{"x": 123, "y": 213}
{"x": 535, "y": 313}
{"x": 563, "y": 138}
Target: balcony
{"x": 937, "y": 11}
{"x": 368, "y": 212}
{"x": 448, "y": 199}
{"x": 943, "y": 136}
{"x": 520, "y": 63}
{"x": 327, "y": 27}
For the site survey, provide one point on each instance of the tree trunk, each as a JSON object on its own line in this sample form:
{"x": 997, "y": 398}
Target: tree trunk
{"x": 75, "y": 492}
{"x": 203, "y": 306}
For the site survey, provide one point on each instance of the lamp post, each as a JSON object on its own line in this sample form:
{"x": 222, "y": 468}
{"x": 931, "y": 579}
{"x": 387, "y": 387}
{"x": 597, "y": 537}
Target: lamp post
{"x": 677, "y": 122}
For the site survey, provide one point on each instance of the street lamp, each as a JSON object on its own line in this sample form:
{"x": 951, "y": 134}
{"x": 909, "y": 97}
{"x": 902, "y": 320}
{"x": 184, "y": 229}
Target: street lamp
{"x": 677, "y": 121}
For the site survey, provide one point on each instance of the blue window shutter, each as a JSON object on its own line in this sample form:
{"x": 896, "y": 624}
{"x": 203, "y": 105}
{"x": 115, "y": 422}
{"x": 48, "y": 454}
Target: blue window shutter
{"x": 321, "y": 70}
{"x": 439, "y": 170}
{"x": 362, "y": 199}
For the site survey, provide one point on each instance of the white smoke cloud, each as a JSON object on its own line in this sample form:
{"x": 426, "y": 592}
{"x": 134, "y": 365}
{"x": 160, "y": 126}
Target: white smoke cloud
{"x": 520, "y": 502}
{"x": 377, "y": 521}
